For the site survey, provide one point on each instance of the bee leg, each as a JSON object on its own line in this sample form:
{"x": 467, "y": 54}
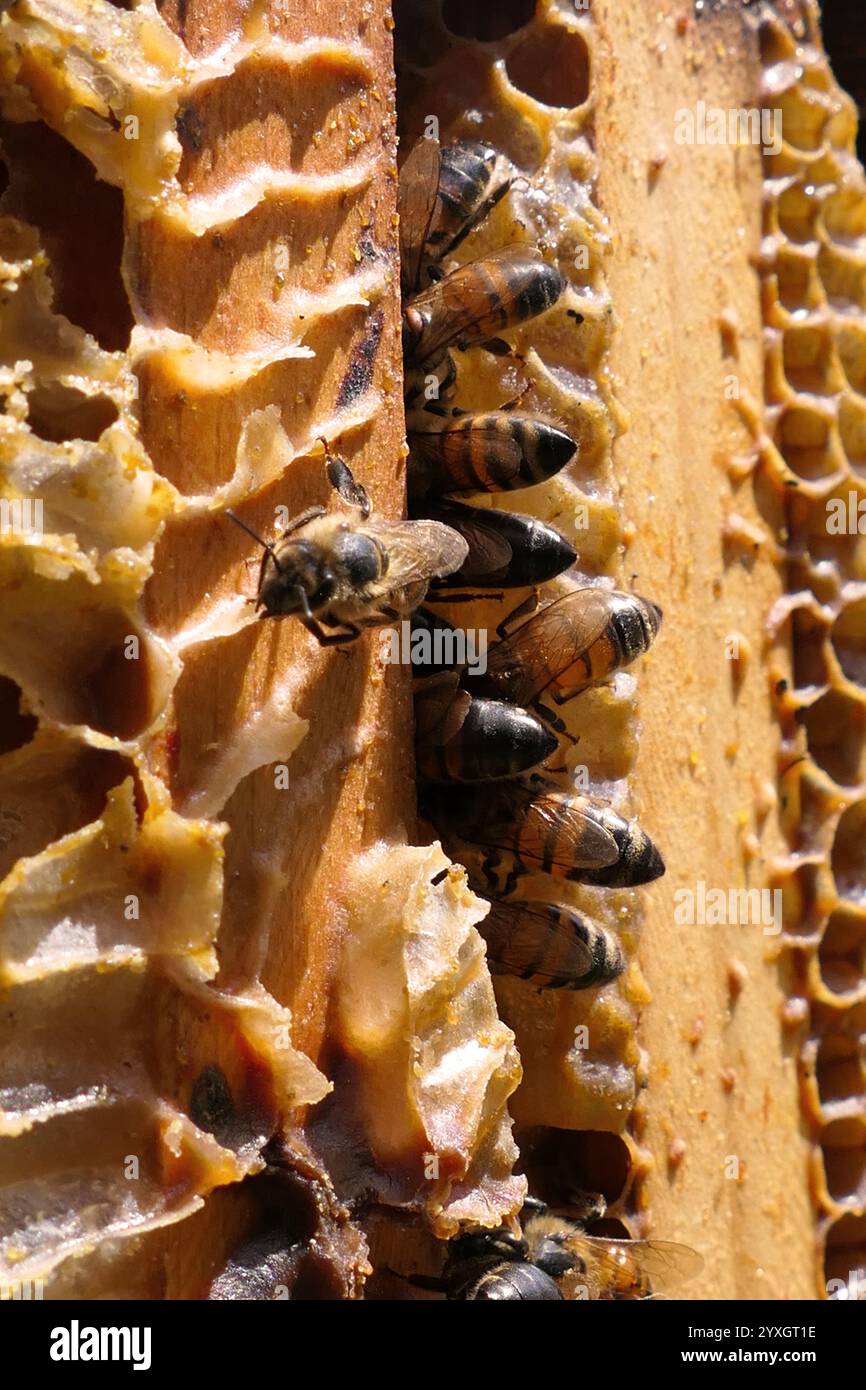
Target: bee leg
{"x": 490, "y": 595}
{"x": 555, "y": 722}
{"x": 324, "y": 639}
{"x": 556, "y": 771}
{"x": 481, "y": 212}
{"x": 341, "y": 477}
{"x": 528, "y": 606}
{"x": 419, "y": 1281}
{"x": 331, "y": 639}
{"x": 498, "y": 347}
{"x": 565, "y": 699}
{"x": 591, "y": 1205}
{"x": 301, "y": 520}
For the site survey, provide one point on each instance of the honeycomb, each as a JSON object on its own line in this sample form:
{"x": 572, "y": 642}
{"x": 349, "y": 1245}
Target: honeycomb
{"x": 181, "y": 943}
{"x": 811, "y": 444}
{"x": 527, "y": 89}
{"x": 226, "y": 1013}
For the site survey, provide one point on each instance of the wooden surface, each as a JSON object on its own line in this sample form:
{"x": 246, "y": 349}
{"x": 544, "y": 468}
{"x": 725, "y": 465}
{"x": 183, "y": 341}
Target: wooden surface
{"x": 350, "y": 780}
{"x": 722, "y": 1067}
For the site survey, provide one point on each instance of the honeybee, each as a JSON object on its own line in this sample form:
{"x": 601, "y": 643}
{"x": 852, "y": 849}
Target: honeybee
{"x": 478, "y": 301}
{"x": 595, "y": 1267}
{"x": 440, "y": 640}
{"x": 350, "y": 572}
{"x": 549, "y": 945}
{"x": 529, "y": 827}
{"x": 575, "y": 642}
{"x": 444, "y": 193}
{"x": 504, "y": 550}
{"x": 461, "y": 739}
{"x": 490, "y": 1265}
{"x": 554, "y": 1259}
{"x": 427, "y": 389}
{"x": 493, "y": 452}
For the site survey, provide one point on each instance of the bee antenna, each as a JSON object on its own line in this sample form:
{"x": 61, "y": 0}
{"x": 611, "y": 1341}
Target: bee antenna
{"x": 249, "y": 530}
{"x": 266, "y": 545}
{"x": 342, "y": 479}
{"x": 418, "y": 1281}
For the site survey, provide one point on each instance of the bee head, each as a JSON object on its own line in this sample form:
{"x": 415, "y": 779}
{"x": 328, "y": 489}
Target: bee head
{"x": 304, "y": 572}
{"x": 553, "y": 1258}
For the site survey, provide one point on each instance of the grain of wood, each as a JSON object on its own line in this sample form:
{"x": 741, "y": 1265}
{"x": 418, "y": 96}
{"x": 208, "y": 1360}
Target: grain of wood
{"x": 722, "y": 1067}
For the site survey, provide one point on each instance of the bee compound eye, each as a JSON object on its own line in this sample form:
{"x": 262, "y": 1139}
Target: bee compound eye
{"x": 361, "y": 558}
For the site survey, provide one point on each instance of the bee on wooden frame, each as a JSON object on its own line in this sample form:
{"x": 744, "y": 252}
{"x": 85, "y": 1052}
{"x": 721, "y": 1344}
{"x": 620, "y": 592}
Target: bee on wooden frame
{"x": 530, "y": 827}
{"x": 597, "y": 1267}
{"x": 445, "y": 191}
{"x": 461, "y": 739}
{"x": 554, "y": 1259}
{"x": 352, "y": 569}
{"x": 505, "y": 549}
{"x": 477, "y": 302}
{"x": 573, "y": 643}
{"x": 494, "y": 451}
{"x": 549, "y": 945}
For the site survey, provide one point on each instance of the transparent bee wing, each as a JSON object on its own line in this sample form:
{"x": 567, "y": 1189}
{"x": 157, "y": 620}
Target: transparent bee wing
{"x": 417, "y": 550}
{"x": 519, "y": 938}
{"x": 488, "y": 551}
{"x": 561, "y": 829}
{"x": 435, "y": 697}
{"x": 658, "y": 1265}
{"x": 550, "y": 642}
{"x": 477, "y": 300}
{"x": 419, "y": 183}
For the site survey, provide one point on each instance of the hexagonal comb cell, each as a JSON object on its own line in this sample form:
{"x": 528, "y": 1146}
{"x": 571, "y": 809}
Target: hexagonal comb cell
{"x": 478, "y": 19}
{"x": 845, "y": 1258}
{"x": 551, "y": 65}
{"x": 808, "y": 357}
{"x": 845, "y": 1160}
{"x": 836, "y": 729}
{"x": 564, "y": 1164}
{"x": 818, "y": 210}
{"x": 849, "y": 853}
{"x": 840, "y": 1071}
{"x": 842, "y": 952}
{"x": 849, "y": 640}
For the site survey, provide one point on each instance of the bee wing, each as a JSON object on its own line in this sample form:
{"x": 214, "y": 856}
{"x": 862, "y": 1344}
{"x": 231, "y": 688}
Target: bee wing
{"x": 488, "y": 550}
{"x": 549, "y": 820}
{"x": 435, "y": 698}
{"x": 463, "y": 299}
{"x": 552, "y": 640}
{"x": 419, "y": 184}
{"x": 665, "y": 1264}
{"x": 429, "y": 444}
{"x": 417, "y": 550}
{"x": 517, "y": 935}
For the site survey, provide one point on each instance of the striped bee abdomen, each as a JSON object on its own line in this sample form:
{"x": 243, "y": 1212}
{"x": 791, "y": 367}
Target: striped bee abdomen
{"x": 549, "y": 945}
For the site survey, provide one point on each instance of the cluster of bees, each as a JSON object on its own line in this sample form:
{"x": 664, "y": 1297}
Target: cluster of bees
{"x": 484, "y": 743}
